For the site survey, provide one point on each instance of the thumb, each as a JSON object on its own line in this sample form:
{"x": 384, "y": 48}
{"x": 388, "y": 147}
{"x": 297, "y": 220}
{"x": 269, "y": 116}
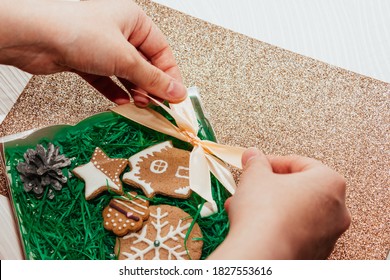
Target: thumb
{"x": 134, "y": 68}
{"x": 254, "y": 157}
{"x": 255, "y": 165}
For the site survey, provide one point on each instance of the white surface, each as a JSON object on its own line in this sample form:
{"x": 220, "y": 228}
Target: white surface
{"x": 352, "y": 34}
{"x": 9, "y": 239}
{"x": 12, "y": 83}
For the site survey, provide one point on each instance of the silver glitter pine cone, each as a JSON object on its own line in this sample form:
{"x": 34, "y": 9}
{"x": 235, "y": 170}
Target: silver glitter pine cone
{"x": 43, "y": 168}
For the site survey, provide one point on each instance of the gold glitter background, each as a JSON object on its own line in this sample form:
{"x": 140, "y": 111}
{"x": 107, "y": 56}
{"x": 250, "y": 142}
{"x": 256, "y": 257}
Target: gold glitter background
{"x": 260, "y": 95}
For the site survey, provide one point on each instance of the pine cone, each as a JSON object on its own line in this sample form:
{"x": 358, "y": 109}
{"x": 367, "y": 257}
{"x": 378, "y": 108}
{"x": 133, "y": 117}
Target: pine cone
{"x": 43, "y": 168}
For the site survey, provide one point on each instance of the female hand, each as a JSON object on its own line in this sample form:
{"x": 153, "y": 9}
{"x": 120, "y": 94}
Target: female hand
{"x": 285, "y": 207}
{"x": 96, "y": 39}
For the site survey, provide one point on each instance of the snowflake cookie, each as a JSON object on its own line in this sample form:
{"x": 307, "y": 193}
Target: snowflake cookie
{"x": 162, "y": 237}
{"x": 101, "y": 173}
{"x": 160, "y": 169}
{"x": 125, "y": 214}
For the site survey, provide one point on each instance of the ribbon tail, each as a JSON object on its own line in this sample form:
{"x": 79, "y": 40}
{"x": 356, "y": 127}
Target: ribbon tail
{"x": 200, "y": 180}
{"x": 181, "y": 120}
{"x": 230, "y": 155}
{"x": 222, "y": 173}
{"x": 149, "y": 118}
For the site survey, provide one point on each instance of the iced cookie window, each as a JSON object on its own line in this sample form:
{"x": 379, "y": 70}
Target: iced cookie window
{"x": 158, "y": 166}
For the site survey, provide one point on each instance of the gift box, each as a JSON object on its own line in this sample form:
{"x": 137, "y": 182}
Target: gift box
{"x": 55, "y": 219}
{"x": 258, "y": 95}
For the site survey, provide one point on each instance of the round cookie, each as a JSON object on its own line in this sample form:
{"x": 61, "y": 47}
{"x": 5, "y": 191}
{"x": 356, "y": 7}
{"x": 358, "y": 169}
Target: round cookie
{"x": 162, "y": 237}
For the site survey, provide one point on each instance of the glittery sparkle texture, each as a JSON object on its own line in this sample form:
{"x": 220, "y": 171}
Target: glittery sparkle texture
{"x": 260, "y": 95}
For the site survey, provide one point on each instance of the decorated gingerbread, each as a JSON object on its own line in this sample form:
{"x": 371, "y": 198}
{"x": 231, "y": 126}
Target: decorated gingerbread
{"x": 162, "y": 237}
{"x": 125, "y": 214}
{"x": 101, "y": 173}
{"x": 160, "y": 169}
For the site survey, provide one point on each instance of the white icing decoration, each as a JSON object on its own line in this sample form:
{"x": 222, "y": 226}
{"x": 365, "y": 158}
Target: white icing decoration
{"x": 132, "y": 224}
{"x": 124, "y": 225}
{"x": 107, "y": 223}
{"x": 135, "y": 159}
{"x": 135, "y": 203}
{"x": 172, "y": 234}
{"x": 108, "y": 215}
{"x": 110, "y": 209}
{"x": 183, "y": 190}
{"x": 120, "y": 220}
{"x": 129, "y": 207}
{"x": 112, "y": 220}
{"x": 114, "y": 224}
{"x": 116, "y": 214}
{"x": 135, "y": 196}
{"x": 180, "y": 170}
{"x": 158, "y": 166}
{"x": 94, "y": 178}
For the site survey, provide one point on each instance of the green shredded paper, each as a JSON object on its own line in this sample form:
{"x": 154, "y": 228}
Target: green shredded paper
{"x": 69, "y": 226}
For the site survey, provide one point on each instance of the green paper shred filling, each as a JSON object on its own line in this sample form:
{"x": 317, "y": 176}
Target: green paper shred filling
{"x": 69, "y": 227}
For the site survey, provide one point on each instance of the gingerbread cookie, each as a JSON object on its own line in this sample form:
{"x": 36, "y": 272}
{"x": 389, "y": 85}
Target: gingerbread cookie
{"x": 160, "y": 169}
{"x": 101, "y": 173}
{"x": 125, "y": 214}
{"x": 162, "y": 237}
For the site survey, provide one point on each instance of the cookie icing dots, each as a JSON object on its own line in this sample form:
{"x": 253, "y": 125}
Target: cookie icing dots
{"x": 125, "y": 214}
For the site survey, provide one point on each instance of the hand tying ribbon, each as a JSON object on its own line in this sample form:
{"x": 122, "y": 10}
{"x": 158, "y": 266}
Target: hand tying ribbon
{"x": 206, "y": 156}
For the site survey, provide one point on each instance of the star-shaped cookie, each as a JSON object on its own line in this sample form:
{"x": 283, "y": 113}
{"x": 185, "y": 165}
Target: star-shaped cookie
{"x": 101, "y": 173}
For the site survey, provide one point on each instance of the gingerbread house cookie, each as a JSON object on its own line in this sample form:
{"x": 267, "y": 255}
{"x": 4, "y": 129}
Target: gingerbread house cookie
{"x": 162, "y": 237}
{"x": 160, "y": 169}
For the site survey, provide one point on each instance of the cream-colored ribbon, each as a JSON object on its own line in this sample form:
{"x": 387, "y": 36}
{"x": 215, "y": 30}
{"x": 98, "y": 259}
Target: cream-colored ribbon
{"x": 206, "y": 155}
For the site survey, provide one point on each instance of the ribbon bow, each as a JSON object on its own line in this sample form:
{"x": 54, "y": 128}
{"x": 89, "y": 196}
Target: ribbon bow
{"x": 206, "y": 155}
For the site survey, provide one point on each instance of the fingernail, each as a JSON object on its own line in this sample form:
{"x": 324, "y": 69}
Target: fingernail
{"x": 141, "y": 101}
{"x": 250, "y": 154}
{"x": 176, "y": 91}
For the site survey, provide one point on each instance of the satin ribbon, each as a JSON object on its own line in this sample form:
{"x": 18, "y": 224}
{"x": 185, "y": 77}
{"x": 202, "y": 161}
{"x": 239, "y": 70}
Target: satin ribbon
{"x": 206, "y": 156}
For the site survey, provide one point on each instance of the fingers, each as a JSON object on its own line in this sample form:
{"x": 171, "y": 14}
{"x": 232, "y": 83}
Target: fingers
{"x": 152, "y": 44}
{"x": 139, "y": 99}
{"x": 132, "y": 67}
{"x": 227, "y": 204}
{"x": 256, "y": 166}
{"x": 148, "y": 63}
{"x": 254, "y": 158}
{"x": 291, "y": 164}
{"x": 107, "y": 87}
